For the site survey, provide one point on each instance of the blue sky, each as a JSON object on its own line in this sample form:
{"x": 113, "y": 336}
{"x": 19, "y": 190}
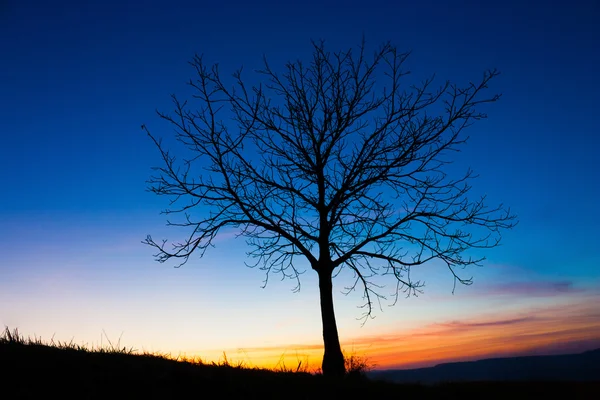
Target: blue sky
{"x": 79, "y": 78}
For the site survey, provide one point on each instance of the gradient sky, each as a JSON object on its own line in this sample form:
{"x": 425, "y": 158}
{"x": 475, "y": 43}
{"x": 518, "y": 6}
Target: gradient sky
{"x": 78, "y": 78}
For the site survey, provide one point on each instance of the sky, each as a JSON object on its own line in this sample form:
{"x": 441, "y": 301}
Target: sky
{"x": 79, "y": 78}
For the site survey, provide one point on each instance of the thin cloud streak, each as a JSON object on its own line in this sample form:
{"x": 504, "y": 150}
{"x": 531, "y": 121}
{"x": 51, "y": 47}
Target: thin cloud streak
{"x": 458, "y": 325}
{"x": 531, "y": 289}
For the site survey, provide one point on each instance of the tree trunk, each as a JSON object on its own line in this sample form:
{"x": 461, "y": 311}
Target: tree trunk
{"x": 333, "y": 359}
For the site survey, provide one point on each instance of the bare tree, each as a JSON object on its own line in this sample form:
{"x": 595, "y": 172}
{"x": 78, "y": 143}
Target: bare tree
{"x": 335, "y": 161}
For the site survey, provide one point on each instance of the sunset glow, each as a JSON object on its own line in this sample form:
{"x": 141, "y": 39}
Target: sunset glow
{"x": 563, "y": 327}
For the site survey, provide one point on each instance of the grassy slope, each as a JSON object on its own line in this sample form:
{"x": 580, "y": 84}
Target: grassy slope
{"x": 31, "y": 369}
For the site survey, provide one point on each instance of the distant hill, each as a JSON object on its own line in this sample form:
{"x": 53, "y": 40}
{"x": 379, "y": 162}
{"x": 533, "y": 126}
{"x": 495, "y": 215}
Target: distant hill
{"x": 581, "y": 367}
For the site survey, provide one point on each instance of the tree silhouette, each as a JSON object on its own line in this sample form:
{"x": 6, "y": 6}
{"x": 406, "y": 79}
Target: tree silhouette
{"x": 335, "y": 161}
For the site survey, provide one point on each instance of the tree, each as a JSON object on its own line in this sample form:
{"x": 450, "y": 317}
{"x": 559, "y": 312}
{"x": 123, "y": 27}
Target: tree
{"x": 335, "y": 161}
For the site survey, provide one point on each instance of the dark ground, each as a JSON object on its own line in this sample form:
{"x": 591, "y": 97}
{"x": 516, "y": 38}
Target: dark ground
{"x": 32, "y": 371}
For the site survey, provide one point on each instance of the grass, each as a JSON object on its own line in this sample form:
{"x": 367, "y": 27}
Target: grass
{"x": 32, "y": 369}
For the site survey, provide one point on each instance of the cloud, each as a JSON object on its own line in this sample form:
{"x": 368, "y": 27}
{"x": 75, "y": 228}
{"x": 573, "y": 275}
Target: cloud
{"x": 532, "y": 288}
{"x": 550, "y": 329}
{"x": 456, "y": 325}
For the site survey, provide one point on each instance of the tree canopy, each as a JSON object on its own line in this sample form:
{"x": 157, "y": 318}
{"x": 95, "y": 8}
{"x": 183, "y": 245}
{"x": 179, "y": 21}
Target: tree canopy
{"x": 337, "y": 161}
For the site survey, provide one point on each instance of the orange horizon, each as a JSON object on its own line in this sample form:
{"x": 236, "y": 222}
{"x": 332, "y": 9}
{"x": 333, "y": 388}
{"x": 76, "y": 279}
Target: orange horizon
{"x": 559, "y": 329}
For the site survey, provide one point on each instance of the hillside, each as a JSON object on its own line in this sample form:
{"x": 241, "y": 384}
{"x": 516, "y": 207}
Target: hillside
{"x": 32, "y": 370}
